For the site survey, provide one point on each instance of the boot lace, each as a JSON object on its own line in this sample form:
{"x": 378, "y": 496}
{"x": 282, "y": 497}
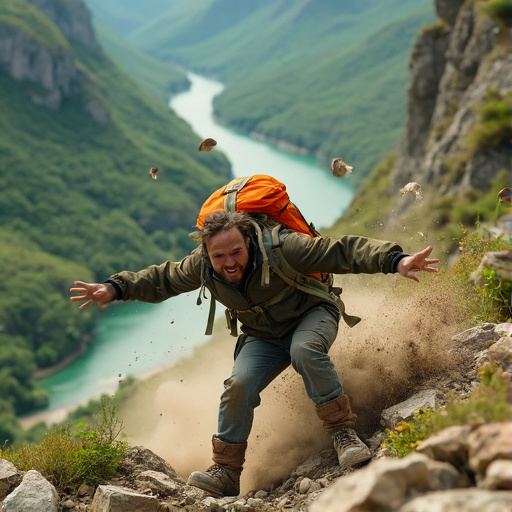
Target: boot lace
{"x": 345, "y": 438}
{"x": 217, "y": 471}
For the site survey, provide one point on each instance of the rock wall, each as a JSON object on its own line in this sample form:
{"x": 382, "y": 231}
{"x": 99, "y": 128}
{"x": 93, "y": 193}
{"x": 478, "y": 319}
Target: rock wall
{"x": 454, "y": 64}
{"x": 72, "y": 18}
{"x": 51, "y": 69}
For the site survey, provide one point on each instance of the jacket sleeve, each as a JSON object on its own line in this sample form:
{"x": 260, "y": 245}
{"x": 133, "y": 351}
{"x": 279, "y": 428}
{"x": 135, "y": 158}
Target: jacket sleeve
{"x": 347, "y": 255}
{"x": 157, "y": 283}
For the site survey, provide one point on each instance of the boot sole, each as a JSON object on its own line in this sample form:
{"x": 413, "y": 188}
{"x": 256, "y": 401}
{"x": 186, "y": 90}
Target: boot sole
{"x": 201, "y": 485}
{"x": 359, "y": 460}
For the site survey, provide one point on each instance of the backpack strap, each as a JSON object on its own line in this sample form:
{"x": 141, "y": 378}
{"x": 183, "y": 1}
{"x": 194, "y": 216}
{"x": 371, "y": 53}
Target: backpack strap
{"x": 202, "y": 291}
{"x": 300, "y": 281}
{"x": 231, "y": 193}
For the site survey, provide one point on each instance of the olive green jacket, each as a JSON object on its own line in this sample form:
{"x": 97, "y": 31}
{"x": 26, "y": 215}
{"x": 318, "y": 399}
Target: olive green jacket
{"x": 349, "y": 254}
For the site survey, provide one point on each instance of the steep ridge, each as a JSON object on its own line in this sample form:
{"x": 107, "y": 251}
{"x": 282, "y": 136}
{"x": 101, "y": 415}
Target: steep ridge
{"x": 458, "y": 67}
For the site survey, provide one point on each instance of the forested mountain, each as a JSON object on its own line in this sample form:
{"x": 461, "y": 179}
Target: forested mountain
{"x": 77, "y": 140}
{"x": 336, "y": 71}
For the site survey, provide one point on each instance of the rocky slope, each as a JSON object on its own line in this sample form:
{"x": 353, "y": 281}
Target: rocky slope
{"x": 469, "y": 467}
{"x": 456, "y": 65}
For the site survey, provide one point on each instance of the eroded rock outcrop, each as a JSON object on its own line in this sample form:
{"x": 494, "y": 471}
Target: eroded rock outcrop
{"x": 36, "y": 51}
{"x": 454, "y": 66}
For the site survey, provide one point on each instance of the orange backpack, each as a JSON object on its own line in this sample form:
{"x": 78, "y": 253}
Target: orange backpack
{"x": 259, "y": 194}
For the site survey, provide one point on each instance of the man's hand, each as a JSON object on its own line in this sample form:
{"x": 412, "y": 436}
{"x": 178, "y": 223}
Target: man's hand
{"x": 411, "y": 265}
{"x": 102, "y": 293}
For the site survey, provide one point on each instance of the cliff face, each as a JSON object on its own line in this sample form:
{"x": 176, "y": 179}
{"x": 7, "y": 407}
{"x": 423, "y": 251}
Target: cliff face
{"x": 36, "y": 49}
{"x": 455, "y": 66}
{"x": 72, "y": 18}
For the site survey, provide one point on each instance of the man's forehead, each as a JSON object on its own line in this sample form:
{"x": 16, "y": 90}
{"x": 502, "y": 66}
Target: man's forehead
{"x": 232, "y": 236}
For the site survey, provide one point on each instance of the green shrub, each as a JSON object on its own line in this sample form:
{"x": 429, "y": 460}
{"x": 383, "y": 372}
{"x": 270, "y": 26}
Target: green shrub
{"x": 499, "y": 10}
{"x": 495, "y": 122}
{"x": 490, "y": 303}
{"x": 486, "y": 403}
{"x": 89, "y": 455}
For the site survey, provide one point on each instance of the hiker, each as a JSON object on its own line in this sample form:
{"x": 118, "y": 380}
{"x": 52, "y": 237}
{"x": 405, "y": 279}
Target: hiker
{"x": 281, "y": 325}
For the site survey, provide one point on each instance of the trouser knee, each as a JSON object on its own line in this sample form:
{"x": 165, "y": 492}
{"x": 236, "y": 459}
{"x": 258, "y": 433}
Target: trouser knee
{"x": 306, "y": 354}
{"x": 238, "y": 393}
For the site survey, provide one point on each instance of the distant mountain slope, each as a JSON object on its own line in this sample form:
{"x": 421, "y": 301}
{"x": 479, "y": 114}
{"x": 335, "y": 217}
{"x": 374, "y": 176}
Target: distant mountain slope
{"x": 124, "y": 16}
{"x": 350, "y": 104}
{"x": 157, "y": 79}
{"x": 77, "y": 140}
{"x": 327, "y": 77}
{"x": 235, "y": 40}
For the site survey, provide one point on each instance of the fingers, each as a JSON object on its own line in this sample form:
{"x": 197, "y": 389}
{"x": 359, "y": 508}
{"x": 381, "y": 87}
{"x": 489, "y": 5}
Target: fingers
{"x": 85, "y": 289}
{"x": 79, "y": 298}
{"x": 83, "y": 306}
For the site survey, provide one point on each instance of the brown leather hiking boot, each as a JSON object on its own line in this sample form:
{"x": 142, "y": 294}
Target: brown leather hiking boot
{"x": 217, "y": 480}
{"x": 223, "y": 478}
{"x": 350, "y": 449}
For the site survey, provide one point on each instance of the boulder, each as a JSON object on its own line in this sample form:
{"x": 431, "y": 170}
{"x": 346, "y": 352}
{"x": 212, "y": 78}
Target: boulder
{"x": 10, "y": 477}
{"x": 118, "y": 499}
{"x": 34, "y": 494}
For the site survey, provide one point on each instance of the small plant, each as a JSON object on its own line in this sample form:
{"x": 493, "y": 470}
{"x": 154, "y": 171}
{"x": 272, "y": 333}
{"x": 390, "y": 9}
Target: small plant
{"x": 495, "y": 122}
{"x": 498, "y": 291}
{"x": 67, "y": 459}
{"x": 489, "y": 303}
{"x": 486, "y": 403}
{"x": 499, "y": 10}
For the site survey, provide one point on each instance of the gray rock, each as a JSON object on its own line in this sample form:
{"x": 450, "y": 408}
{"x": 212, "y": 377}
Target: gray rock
{"x": 117, "y": 499}
{"x": 478, "y": 337}
{"x": 448, "y": 10}
{"x": 498, "y": 475}
{"x": 448, "y": 445}
{"x": 404, "y": 411}
{"x": 385, "y": 484}
{"x": 487, "y": 443}
{"x": 34, "y": 494}
{"x": 460, "y": 500}
{"x": 159, "y": 482}
{"x": 10, "y": 477}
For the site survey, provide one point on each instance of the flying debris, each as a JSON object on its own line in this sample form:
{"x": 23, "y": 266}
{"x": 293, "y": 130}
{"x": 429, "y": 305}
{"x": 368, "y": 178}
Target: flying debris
{"x": 153, "y": 172}
{"x": 505, "y": 194}
{"x": 339, "y": 168}
{"x": 207, "y": 145}
{"x": 414, "y": 188}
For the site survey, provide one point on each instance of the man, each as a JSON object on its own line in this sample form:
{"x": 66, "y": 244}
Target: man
{"x": 281, "y": 325}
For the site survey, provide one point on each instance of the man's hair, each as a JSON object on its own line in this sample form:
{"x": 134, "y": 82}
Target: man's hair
{"x": 222, "y": 220}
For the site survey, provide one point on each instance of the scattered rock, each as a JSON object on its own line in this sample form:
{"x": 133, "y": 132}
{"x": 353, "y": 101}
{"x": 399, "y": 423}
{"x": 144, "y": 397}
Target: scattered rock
{"x": 404, "y": 411}
{"x": 339, "y": 168}
{"x": 117, "y": 499}
{"x": 10, "y": 477}
{"x": 34, "y": 494}
{"x": 207, "y": 144}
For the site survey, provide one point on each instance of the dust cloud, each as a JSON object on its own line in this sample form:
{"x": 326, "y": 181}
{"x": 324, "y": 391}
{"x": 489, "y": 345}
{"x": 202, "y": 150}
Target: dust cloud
{"x": 402, "y": 341}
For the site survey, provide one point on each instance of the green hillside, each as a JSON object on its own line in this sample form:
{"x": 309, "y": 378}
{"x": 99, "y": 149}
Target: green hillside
{"x": 156, "y": 78}
{"x": 329, "y": 77}
{"x": 350, "y": 104}
{"x": 77, "y": 201}
{"x": 125, "y": 16}
{"x": 235, "y": 40}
